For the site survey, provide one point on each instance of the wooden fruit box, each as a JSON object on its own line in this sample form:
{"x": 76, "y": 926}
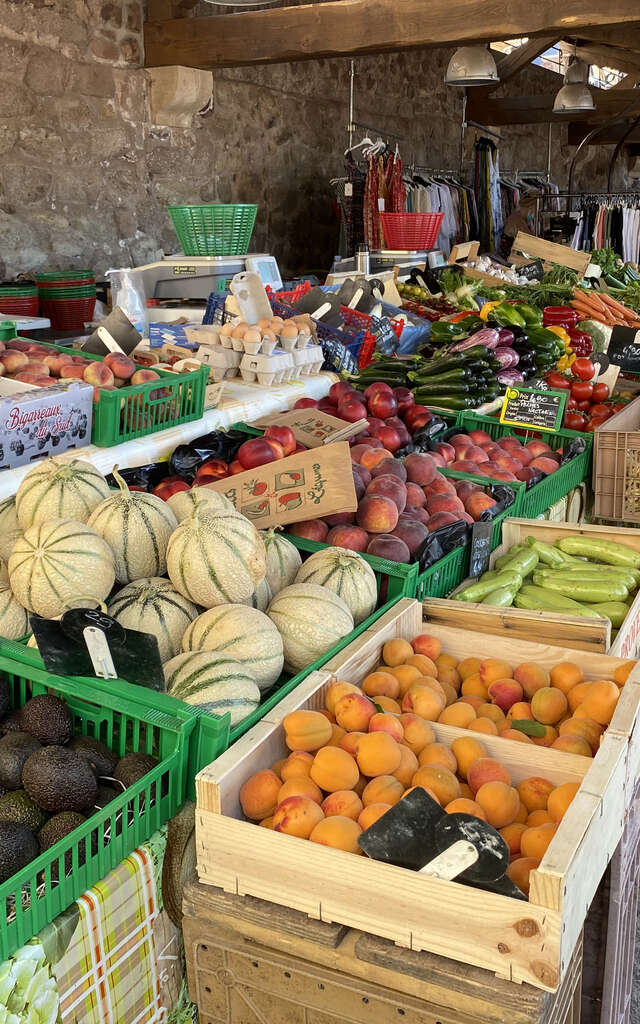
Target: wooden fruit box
{"x": 530, "y": 942}
{"x": 552, "y": 627}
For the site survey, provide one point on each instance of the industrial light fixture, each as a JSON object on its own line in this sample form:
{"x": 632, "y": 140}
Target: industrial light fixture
{"x": 472, "y": 65}
{"x": 575, "y": 96}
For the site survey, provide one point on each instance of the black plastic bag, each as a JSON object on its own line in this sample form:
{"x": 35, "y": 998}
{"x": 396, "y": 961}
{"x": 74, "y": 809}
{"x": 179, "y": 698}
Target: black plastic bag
{"x": 186, "y": 459}
{"x": 147, "y": 477}
{"x": 441, "y": 542}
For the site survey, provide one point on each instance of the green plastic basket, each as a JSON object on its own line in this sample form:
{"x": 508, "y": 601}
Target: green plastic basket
{"x": 33, "y": 897}
{"x": 215, "y": 229}
{"x": 63, "y": 275}
{"x": 536, "y": 500}
{"x": 27, "y": 291}
{"x": 445, "y": 574}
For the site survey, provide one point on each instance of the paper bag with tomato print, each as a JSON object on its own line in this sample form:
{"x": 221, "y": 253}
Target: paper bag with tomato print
{"x": 305, "y": 485}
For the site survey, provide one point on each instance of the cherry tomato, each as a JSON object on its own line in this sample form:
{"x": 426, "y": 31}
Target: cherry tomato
{"x": 583, "y": 369}
{"x": 600, "y": 392}
{"x": 572, "y": 405}
{"x": 601, "y": 411}
{"x": 557, "y": 381}
{"x": 619, "y": 406}
{"x": 574, "y": 421}
{"x": 581, "y": 390}
{"x": 584, "y": 405}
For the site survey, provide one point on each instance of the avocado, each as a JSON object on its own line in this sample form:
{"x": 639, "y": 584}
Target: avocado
{"x": 133, "y": 767}
{"x": 101, "y": 759}
{"x": 5, "y": 696}
{"x": 59, "y": 826}
{"x": 59, "y": 780}
{"x": 18, "y": 846}
{"x": 17, "y": 806}
{"x": 10, "y": 723}
{"x": 48, "y": 719}
{"x": 15, "y": 748}
{"x": 105, "y": 795}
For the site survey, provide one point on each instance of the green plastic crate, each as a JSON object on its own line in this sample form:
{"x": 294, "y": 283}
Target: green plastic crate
{"x": 537, "y": 499}
{"x": 445, "y": 574}
{"x": 31, "y": 898}
{"x": 394, "y": 579}
{"x": 214, "y": 229}
{"x": 131, "y": 412}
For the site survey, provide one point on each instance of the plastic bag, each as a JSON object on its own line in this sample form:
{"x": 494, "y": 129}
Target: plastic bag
{"x": 127, "y": 291}
{"x": 186, "y": 459}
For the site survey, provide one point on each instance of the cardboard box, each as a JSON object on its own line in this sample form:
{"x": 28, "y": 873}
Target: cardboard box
{"x": 35, "y": 422}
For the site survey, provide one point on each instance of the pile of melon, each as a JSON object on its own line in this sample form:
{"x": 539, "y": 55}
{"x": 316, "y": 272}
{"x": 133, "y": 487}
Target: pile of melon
{"x": 230, "y": 606}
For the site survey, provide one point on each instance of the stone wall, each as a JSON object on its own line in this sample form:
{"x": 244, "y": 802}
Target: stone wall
{"x": 85, "y": 178}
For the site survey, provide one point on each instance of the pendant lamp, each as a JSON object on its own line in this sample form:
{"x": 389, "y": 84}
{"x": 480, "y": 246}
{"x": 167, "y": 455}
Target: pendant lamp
{"x": 575, "y": 96}
{"x": 472, "y": 65}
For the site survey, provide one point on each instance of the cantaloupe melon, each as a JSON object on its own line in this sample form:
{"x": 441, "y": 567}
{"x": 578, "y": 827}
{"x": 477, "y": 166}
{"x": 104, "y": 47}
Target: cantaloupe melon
{"x": 347, "y": 574}
{"x": 9, "y": 527}
{"x": 137, "y": 527}
{"x": 310, "y": 620}
{"x": 213, "y": 682}
{"x": 183, "y": 503}
{"x": 154, "y": 606}
{"x": 261, "y": 597}
{"x": 57, "y": 564}
{"x": 14, "y": 621}
{"x": 216, "y": 557}
{"x": 60, "y": 488}
{"x": 283, "y": 560}
{"x": 244, "y": 634}
{"x": 4, "y": 572}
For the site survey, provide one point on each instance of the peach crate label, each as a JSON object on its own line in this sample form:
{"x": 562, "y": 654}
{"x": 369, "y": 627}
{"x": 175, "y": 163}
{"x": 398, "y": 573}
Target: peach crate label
{"x": 306, "y": 485}
{"x": 311, "y": 427}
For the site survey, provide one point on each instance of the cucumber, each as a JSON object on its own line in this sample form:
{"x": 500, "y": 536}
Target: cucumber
{"x": 615, "y": 611}
{"x": 584, "y": 591}
{"x": 607, "y": 551}
{"x": 536, "y": 599}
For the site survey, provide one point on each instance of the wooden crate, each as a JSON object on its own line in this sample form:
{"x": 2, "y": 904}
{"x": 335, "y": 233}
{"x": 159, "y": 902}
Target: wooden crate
{"x": 552, "y": 627}
{"x": 616, "y": 466}
{"x": 469, "y": 251}
{"x": 527, "y": 248}
{"x": 252, "y": 962}
{"x": 531, "y": 942}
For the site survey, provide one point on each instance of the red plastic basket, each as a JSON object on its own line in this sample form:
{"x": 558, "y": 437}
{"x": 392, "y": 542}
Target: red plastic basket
{"x": 411, "y": 230}
{"x": 20, "y": 307}
{"x": 68, "y": 314}
{"x": 290, "y": 297}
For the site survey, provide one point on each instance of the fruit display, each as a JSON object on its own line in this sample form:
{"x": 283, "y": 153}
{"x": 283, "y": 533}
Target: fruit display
{"x": 369, "y": 745}
{"x": 507, "y": 458}
{"x": 589, "y": 403}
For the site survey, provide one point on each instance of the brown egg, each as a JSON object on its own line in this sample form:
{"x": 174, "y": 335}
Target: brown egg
{"x": 239, "y": 331}
{"x": 225, "y": 330}
{"x": 252, "y": 336}
{"x": 268, "y": 335}
{"x": 289, "y": 331}
{"x": 263, "y": 323}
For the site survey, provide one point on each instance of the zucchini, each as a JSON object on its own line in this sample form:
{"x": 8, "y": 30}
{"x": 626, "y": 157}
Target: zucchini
{"x": 615, "y": 611}
{"x": 584, "y": 591}
{"x": 607, "y": 551}
{"x": 536, "y": 599}
{"x": 546, "y": 552}
{"x": 501, "y": 598}
{"x": 523, "y": 562}
{"x": 477, "y": 591}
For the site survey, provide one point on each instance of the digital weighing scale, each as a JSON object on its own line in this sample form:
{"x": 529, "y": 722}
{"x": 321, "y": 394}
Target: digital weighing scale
{"x": 385, "y": 259}
{"x": 191, "y": 279}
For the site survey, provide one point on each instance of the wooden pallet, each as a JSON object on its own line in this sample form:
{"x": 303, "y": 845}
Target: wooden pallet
{"x": 527, "y": 248}
{"x": 531, "y": 942}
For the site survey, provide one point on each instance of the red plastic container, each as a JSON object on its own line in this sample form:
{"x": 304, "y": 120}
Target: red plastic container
{"x": 559, "y": 316}
{"x": 68, "y": 314}
{"x": 411, "y": 230}
{"x": 20, "y": 307}
{"x": 80, "y": 283}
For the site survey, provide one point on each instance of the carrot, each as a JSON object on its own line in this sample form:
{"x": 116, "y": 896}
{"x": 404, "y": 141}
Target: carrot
{"x": 590, "y": 301}
{"x": 617, "y": 307}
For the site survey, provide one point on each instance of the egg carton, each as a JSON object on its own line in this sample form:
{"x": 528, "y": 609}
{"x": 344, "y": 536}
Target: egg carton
{"x": 308, "y": 360}
{"x": 273, "y": 369}
{"x": 295, "y": 344}
{"x": 263, "y": 347}
{"x": 223, "y": 363}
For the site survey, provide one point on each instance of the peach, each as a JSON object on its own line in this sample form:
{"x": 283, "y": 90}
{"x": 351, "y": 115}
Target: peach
{"x": 534, "y": 841}
{"x": 493, "y": 669}
{"x": 586, "y": 728}
{"x": 336, "y": 691}
{"x": 468, "y": 667}
{"x": 381, "y": 684}
{"x": 483, "y": 725}
{"x": 505, "y": 692}
{"x": 492, "y": 712}
{"x": 512, "y": 835}
{"x": 534, "y": 793}
{"x": 424, "y": 701}
{"x": 377, "y": 514}
{"x": 143, "y": 376}
{"x": 353, "y": 712}
{"x": 310, "y": 529}
{"x": 499, "y": 802}
{"x": 565, "y": 676}
{"x": 439, "y": 519}
{"x": 572, "y": 745}
{"x": 390, "y": 467}
{"x": 14, "y": 362}
{"x": 306, "y": 730}
{"x": 546, "y": 740}
{"x": 343, "y": 802}
{"x": 600, "y": 701}
{"x": 338, "y": 832}
{"x": 447, "y": 451}
{"x": 519, "y": 871}
{"x": 461, "y": 715}
{"x": 353, "y": 538}
{"x": 531, "y": 677}
{"x": 421, "y": 468}
{"x": 374, "y": 456}
{"x": 560, "y": 798}
{"x": 415, "y": 495}
{"x": 486, "y": 769}
{"x": 389, "y": 486}
{"x": 519, "y": 711}
{"x": 464, "y": 806}
{"x": 623, "y": 672}
{"x": 395, "y": 652}
{"x": 544, "y": 465}
{"x": 358, "y": 451}
{"x": 387, "y": 723}
{"x": 477, "y": 503}
{"x": 378, "y": 754}
{"x": 466, "y": 750}
{"x": 98, "y": 374}
{"x": 417, "y": 732}
{"x": 427, "y": 645}
{"x": 473, "y": 686}
{"x": 385, "y": 545}
{"x": 548, "y": 705}
{"x": 120, "y": 365}
{"x": 383, "y": 789}
{"x": 438, "y": 780}
{"x": 334, "y": 769}
{"x": 439, "y": 754}
{"x": 56, "y": 363}
{"x": 444, "y": 503}
{"x": 413, "y": 534}
{"x": 371, "y": 814}
{"x": 259, "y": 794}
{"x": 302, "y": 786}
{"x": 408, "y": 766}
{"x": 297, "y": 765}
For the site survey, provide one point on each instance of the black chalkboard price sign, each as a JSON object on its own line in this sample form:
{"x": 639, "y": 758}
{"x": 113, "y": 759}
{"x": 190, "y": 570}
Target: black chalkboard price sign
{"x": 480, "y": 548}
{"x": 624, "y": 348}
{"x": 527, "y": 407}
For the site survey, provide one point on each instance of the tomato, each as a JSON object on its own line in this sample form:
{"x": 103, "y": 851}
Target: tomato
{"x": 600, "y": 411}
{"x": 574, "y": 421}
{"x": 581, "y": 390}
{"x": 572, "y": 405}
{"x": 619, "y": 406}
{"x": 601, "y": 392}
{"x": 583, "y": 369}
{"x": 584, "y": 405}
{"x": 557, "y": 381}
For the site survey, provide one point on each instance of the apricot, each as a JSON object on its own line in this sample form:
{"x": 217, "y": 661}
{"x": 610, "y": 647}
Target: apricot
{"x": 391, "y": 706}
{"x": 451, "y": 695}
{"x": 395, "y": 652}
{"x": 337, "y": 733}
{"x": 360, "y": 785}
{"x": 505, "y": 692}
{"x": 550, "y": 734}
{"x": 371, "y": 814}
{"x": 438, "y": 753}
{"x": 600, "y": 701}
{"x": 306, "y": 730}
{"x": 499, "y": 802}
{"x": 405, "y": 676}
{"x": 296, "y": 765}
{"x": 378, "y": 754}
{"x": 538, "y": 818}
{"x": 516, "y": 735}
{"x": 565, "y": 676}
{"x": 426, "y": 789}
{"x": 586, "y": 728}
{"x": 300, "y": 787}
{"x": 522, "y": 815}
{"x": 492, "y": 669}
{"x": 425, "y": 665}
{"x": 381, "y": 684}
{"x": 387, "y": 723}
{"x": 534, "y": 793}
{"x": 492, "y": 712}
{"x": 560, "y": 798}
{"x": 548, "y": 705}
{"x": 483, "y": 725}
{"x": 474, "y": 702}
{"x": 384, "y": 789}
{"x": 468, "y": 667}
{"x": 512, "y": 835}
{"x": 353, "y": 712}
{"x": 466, "y": 750}
{"x": 425, "y": 702}
{"x": 328, "y": 715}
{"x": 336, "y": 691}
{"x": 577, "y": 694}
{"x": 417, "y": 732}
{"x": 532, "y": 677}
{"x": 349, "y": 742}
{"x": 297, "y": 816}
{"x": 259, "y": 794}
{"x": 267, "y": 822}
{"x": 472, "y": 686}
{"x": 520, "y": 711}
{"x": 428, "y": 645}
{"x": 445, "y": 661}
{"x": 278, "y": 766}
{"x": 623, "y": 672}
{"x": 344, "y": 802}
{"x": 449, "y": 677}
{"x": 430, "y": 681}
{"x": 463, "y": 806}
{"x": 338, "y": 832}
{"x": 466, "y": 791}
{"x": 408, "y": 766}
{"x": 519, "y": 871}
{"x": 438, "y": 780}
{"x": 572, "y": 745}
{"x": 486, "y": 769}
{"x": 334, "y": 769}
{"x": 460, "y": 715}
{"x": 535, "y": 841}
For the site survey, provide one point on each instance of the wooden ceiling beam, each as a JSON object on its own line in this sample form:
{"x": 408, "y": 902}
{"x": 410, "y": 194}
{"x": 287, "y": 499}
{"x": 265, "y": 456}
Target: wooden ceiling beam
{"x": 606, "y": 56}
{"x": 342, "y": 28}
{"x": 521, "y": 57}
{"x": 626, "y": 36}
{"x": 539, "y": 109}
{"x": 608, "y": 137}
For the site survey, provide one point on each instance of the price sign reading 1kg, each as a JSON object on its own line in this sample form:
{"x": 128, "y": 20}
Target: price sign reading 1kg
{"x": 526, "y": 407}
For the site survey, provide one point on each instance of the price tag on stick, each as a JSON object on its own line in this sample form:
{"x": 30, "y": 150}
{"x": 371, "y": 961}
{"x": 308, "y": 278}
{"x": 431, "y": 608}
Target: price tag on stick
{"x": 527, "y": 407}
{"x": 480, "y": 547}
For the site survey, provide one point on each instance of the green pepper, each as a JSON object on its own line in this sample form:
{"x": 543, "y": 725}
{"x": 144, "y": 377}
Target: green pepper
{"x": 442, "y": 332}
{"x": 506, "y": 315}
{"x": 539, "y": 335}
{"x": 530, "y": 314}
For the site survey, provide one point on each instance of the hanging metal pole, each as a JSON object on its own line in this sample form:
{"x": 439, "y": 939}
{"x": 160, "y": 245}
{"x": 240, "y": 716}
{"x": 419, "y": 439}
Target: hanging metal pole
{"x": 549, "y": 154}
{"x": 463, "y": 128}
{"x": 352, "y": 80}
